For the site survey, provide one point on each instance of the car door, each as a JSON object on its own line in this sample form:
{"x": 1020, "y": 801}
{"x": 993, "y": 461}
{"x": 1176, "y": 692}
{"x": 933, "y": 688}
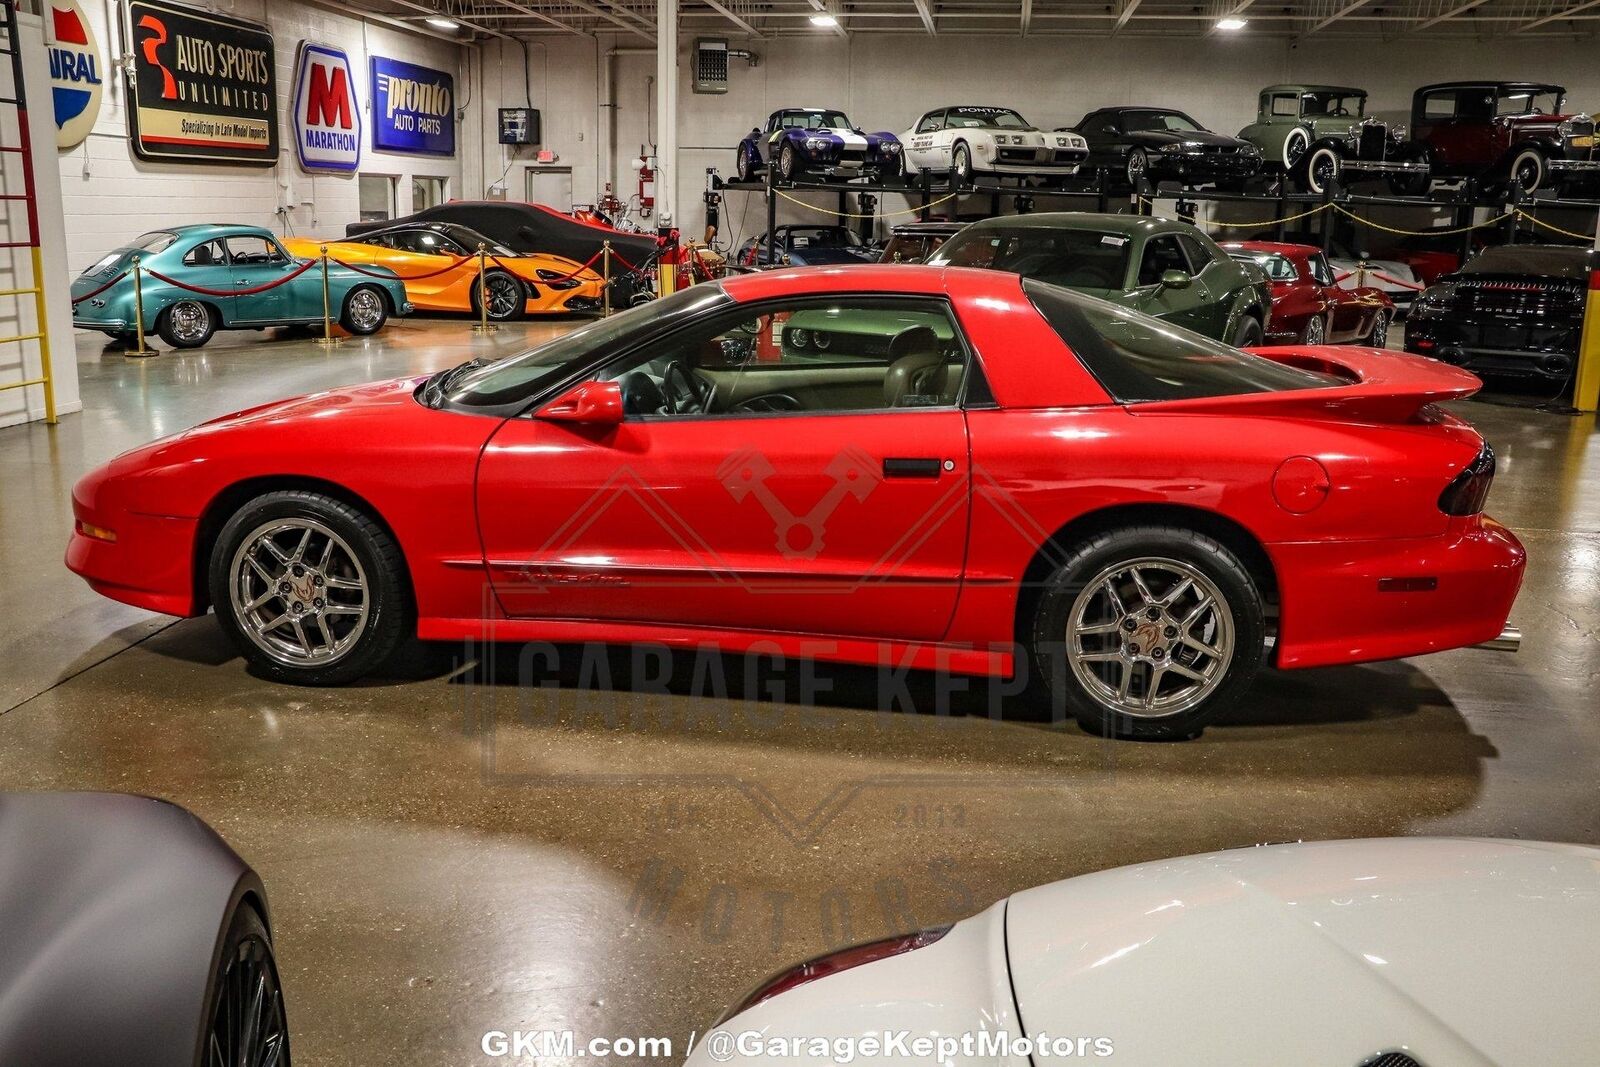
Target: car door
{"x": 1107, "y": 144}
{"x": 256, "y": 264}
{"x": 930, "y": 143}
{"x": 206, "y": 266}
{"x": 1215, "y": 283}
{"x": 423, "y": 257}
{"x": 1188, "y": 306}
{"x": 1346, "y": 312}
{"x": 812, "y": 490}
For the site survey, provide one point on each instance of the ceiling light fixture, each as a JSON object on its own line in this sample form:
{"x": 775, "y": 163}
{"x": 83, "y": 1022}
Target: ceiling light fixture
{"x": 439, "y": 22}
{"x": 821, "y": 19}
{"x": 1231, "y": 23}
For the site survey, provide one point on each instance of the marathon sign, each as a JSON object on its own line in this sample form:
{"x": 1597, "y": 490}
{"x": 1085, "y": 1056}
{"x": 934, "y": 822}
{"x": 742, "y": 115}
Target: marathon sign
{"x": 327, "y": 116}
{"x": 203, "y": 87}
{"x": 413, "y": 108}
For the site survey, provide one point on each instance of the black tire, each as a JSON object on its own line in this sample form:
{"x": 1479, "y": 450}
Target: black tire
{"x": 1247, "y": 332}
{"x": 1315, "y": 331}
{"x": 1138, "y": 166}
{"x": 789, "y": 166}
{"x": 1413, "y": 184}
{"x": 365, "y": 310}
{"x": 745, "y": 167}
{"x": 187, "y": 324}
{"x": 1378, "y": 336}
{"x": 508, "y": 297}
{"x": 1295, "y": 146}
{"x": 1240, "y": 604}
{"x": 382, "y": 571}
{"x": 246, "y": 969}
{"x": 960, "y": 166}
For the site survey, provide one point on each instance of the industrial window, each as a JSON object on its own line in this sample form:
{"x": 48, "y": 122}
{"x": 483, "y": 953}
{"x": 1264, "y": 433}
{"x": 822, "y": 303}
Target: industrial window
{"x": 376, "y": 192}
{"x": 427, "y": 192}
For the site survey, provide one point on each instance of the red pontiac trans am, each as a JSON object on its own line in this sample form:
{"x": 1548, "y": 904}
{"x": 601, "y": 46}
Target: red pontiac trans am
{"x": 932, "y": 467}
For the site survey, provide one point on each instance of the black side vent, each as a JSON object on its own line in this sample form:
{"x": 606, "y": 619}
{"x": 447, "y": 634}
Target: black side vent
{"x": 1391, "y": 1059}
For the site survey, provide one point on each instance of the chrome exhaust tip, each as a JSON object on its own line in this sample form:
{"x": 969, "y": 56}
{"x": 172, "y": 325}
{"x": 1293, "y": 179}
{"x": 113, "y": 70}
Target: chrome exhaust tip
{"x": 1510, "y": 640}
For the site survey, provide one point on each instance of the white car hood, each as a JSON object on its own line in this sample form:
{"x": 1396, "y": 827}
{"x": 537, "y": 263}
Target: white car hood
{"x": 1459, "y": 951}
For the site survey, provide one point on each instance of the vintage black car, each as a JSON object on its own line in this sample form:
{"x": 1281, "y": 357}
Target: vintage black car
{"x": 1499, "y": 132}
{"x": 1511, "y": 310}
{"x": 1133, "y": 144}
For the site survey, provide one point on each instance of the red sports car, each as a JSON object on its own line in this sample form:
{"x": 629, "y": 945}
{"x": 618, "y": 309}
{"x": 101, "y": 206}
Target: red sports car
{"x": 917, "y": 466}
{"x": 1308, "y": 304}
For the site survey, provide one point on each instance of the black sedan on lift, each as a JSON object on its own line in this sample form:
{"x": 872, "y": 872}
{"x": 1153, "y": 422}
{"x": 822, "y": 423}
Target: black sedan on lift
{"x": 1156, "y": 144}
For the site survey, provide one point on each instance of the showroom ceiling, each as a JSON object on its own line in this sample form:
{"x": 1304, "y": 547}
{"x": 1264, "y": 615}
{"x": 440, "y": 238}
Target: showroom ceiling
{"x": 767, "y": 18}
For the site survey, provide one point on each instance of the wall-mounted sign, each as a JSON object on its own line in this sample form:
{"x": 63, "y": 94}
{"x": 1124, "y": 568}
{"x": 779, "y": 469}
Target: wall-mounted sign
{"x": 75, "y": 79}
{"x": 413, "y": 108}
{"x": 327, "y": 116}
{"x": 204, "y": 87}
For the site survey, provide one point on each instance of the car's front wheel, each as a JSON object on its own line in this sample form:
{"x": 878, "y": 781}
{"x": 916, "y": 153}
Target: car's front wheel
{"x": 789, "y": 165}
{"x": 961, "y": 165}
{"x": 1528, "y": 169}
{"x": 187, "y": 324}
{"x": 1247, "y": 332}
{"x": 745, "y": 166}
{"x": 246, "y": 1022}
{"x": 310, "y": 589}
{"x": 1138, "y": 167}
{"x": 1148, "y": 632}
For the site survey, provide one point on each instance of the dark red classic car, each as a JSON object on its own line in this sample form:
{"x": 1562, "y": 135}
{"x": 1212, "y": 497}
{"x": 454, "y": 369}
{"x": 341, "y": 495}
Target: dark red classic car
{"x": 1497, "y": 132}
{"x": 1308, "y": 304}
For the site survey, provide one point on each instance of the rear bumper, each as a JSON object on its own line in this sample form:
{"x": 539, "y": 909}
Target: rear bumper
{"x": 1462, "y": 585}
{"x": 1496, "y": 344}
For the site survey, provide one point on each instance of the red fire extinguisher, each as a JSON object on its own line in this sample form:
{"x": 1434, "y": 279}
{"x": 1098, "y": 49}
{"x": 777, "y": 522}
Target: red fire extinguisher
{"x": 647, "y": 184}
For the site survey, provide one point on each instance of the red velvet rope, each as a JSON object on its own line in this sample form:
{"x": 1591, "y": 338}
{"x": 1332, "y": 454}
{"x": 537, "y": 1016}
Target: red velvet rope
{"x": 1382, "y": 277}
{"x": 291, "y": 276}
{"x": 404, "y": 277}
{"x": 80, "y": 299}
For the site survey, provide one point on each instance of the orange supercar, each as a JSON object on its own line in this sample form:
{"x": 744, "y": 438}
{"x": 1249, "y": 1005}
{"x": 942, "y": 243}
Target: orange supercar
{"x": 438, "y": 262}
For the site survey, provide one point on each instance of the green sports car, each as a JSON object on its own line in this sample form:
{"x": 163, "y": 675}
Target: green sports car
{"x": 196, "y": 280}
{"x": 1166, "y": 269}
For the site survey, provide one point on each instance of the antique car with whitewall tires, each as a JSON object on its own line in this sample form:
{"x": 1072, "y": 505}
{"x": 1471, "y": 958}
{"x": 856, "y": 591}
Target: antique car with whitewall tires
{"x": 1156, "y": 144}
{"x": 964, "y": 143}
{"x": 816, "y": 142}
{"x": 1314, "y": 134}
{"x": 1514, "y": 310}
{"x": 196, "y": 280}
{"x": 1162, "y": 268}
{"x": 131, "y": 934}
{"x": 1503, "y": 132}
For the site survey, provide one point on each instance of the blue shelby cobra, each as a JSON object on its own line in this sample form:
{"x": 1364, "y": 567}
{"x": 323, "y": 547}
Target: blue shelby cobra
{"x": 817, "y": 141}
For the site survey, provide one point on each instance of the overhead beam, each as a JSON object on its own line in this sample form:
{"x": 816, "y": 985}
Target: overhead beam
{"x": 1125, "y": 10}
{"x": 1337, "y": 14}
{"x": 1459, "y": 9}
{"x": 728, "y": 14}
{"x": 540, "y": 15}
{"x": 1027, "y": 16}
{"x": 423, "y": 9}
{"x": 1557, "y": 16}
{"x": 926, "y": 14}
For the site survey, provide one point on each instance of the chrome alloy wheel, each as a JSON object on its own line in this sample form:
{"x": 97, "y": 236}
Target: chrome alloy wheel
{"x": 299, "y": 592}
{"x": 1150, "y": 637}
{"x": 1379, "y": 338}
{"x": 366, "y": 309}
{"x": 190, "y": 320}
{"x": 1314, "y": 334}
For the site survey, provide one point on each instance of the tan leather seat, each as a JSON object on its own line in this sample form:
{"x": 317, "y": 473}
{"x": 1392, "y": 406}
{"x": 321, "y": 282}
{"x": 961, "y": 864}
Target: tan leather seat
{"x": 916, "y": 366}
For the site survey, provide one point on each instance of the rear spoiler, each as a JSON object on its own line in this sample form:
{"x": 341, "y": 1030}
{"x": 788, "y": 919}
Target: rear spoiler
{"x": 1376, "y": 385}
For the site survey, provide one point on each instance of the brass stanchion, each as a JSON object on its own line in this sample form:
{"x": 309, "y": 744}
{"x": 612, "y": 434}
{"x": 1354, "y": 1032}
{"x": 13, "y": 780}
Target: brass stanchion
{"x": 484, "y": 325}
{"x": 138, "y": 309}
{"x": 327, "y": 337}
{"x": 605, "y": 272}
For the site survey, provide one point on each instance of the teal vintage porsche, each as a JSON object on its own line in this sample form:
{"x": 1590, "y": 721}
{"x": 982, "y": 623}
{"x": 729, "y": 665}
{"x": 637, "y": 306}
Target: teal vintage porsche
{"x": 196, "y": 280}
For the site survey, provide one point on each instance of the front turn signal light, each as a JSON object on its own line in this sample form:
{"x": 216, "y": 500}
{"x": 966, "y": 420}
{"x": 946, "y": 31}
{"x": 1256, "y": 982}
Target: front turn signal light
{"x": 98, "y": 533}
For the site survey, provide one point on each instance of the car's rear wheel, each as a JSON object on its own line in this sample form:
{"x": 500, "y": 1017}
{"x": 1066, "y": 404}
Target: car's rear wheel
{"x": 1247, "y": 332}
{"x": 310, "y": 589}
{"x": 246, "y": 1022}
{"x": 365, "y": 311}
{"x": 507, "y": 298}
{"x": 1314, "y": 332}
{"x": 1148, "y": 632}
{"x": 1378, "y": 336}
{"x": 187, "y": 324}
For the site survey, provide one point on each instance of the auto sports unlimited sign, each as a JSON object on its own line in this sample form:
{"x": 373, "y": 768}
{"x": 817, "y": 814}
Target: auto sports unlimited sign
{"x": 327, "y": 116}
{"x": 75, "y": 78}
{"x": 204, "y": 87}
{"x": 413, "y": 108}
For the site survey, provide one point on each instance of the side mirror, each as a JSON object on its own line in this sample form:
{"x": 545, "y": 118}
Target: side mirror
{"x": 587, "y": 404}
{"x": 1175, "y": 279}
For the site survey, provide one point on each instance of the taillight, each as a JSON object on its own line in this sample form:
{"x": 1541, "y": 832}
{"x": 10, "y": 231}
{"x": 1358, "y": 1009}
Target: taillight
{"x": 1467, "y": 492}
{"x": 834, "y": 963}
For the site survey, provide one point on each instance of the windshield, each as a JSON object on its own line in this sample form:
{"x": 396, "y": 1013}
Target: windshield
{"x": 1081, "y": 259}
{"x": 1527, "y": 102}
{"x": 1539, "y": 260}
{"x": 967, "y": 117}
{"x": 813, "y": 120}
{"x": 519, "y": 378}
{"x": 469, "y": 239}
{"x": 1176, "y": 121}
{"x": 1138, "y": 358}
{"x": 1277, "y": 268}
{"x": 154, "y": 241}
{"x": 1339, "y": 105}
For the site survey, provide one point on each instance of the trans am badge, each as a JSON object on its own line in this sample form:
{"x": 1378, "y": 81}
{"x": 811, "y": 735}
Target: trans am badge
{"x": 75, "y": 73}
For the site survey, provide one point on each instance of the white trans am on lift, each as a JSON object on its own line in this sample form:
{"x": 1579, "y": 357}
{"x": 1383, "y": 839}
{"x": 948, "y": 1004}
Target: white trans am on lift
{"x": 1418, "y": 952}
{"x": 963, "y": 142}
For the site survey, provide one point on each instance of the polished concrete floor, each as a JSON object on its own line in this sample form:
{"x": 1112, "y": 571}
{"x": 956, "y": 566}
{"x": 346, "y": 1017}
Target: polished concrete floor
{"x": 448, "y": 853}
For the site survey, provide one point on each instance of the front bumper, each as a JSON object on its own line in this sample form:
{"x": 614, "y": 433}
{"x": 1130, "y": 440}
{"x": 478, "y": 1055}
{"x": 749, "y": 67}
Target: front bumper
{"x": 1575, "y": 166}
{"x": 149, "y": 565}
{"x": 1333, "y": 609}
{"x": 1383, "y": 166}
{"x": 1205, "y": 168}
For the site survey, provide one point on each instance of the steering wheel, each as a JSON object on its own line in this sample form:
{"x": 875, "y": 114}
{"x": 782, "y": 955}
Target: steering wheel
{"x": 642, "y": 396}
{"x": 695, "y": 392}
{"x": 769, "y": 402}
{"x": 1341, "y": 113}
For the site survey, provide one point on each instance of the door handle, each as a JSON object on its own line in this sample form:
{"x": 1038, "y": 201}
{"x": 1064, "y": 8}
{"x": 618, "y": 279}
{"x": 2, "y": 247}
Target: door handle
{"x": 911, "y": 467}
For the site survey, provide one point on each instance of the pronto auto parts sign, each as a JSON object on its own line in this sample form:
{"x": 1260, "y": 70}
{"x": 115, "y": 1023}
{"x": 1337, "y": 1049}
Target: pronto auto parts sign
{"x": 75, "y": 78}
{"x": 327, "y": 116}
{"x": 203, "y": 86}
{"x": 413, "y": 108}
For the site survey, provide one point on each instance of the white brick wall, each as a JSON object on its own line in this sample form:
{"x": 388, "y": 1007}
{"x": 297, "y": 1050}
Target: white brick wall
{"x": 110, "y": 196}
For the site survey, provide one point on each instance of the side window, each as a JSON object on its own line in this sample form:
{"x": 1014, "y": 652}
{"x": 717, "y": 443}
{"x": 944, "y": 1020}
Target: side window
{"x": 1439, "y": 107}
{"x": 210, "y": 254}
{"x": 254, "y": 251}
{"x": 1200, "y": 257}
{"x": 841, "y": 354}
{"x": 930, "y": 122}
{"x": 1286, "y": 105}
{"x": 1321, "y": 273}
{"x": 1161, "y": 254}
{"x": 1102, "y": 126}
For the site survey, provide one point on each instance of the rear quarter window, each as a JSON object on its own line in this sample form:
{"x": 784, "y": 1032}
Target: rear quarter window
{"x": 1137, "y": 358}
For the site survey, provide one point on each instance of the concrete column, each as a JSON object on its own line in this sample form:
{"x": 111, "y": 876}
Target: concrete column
{"x": 667, "y": 109}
